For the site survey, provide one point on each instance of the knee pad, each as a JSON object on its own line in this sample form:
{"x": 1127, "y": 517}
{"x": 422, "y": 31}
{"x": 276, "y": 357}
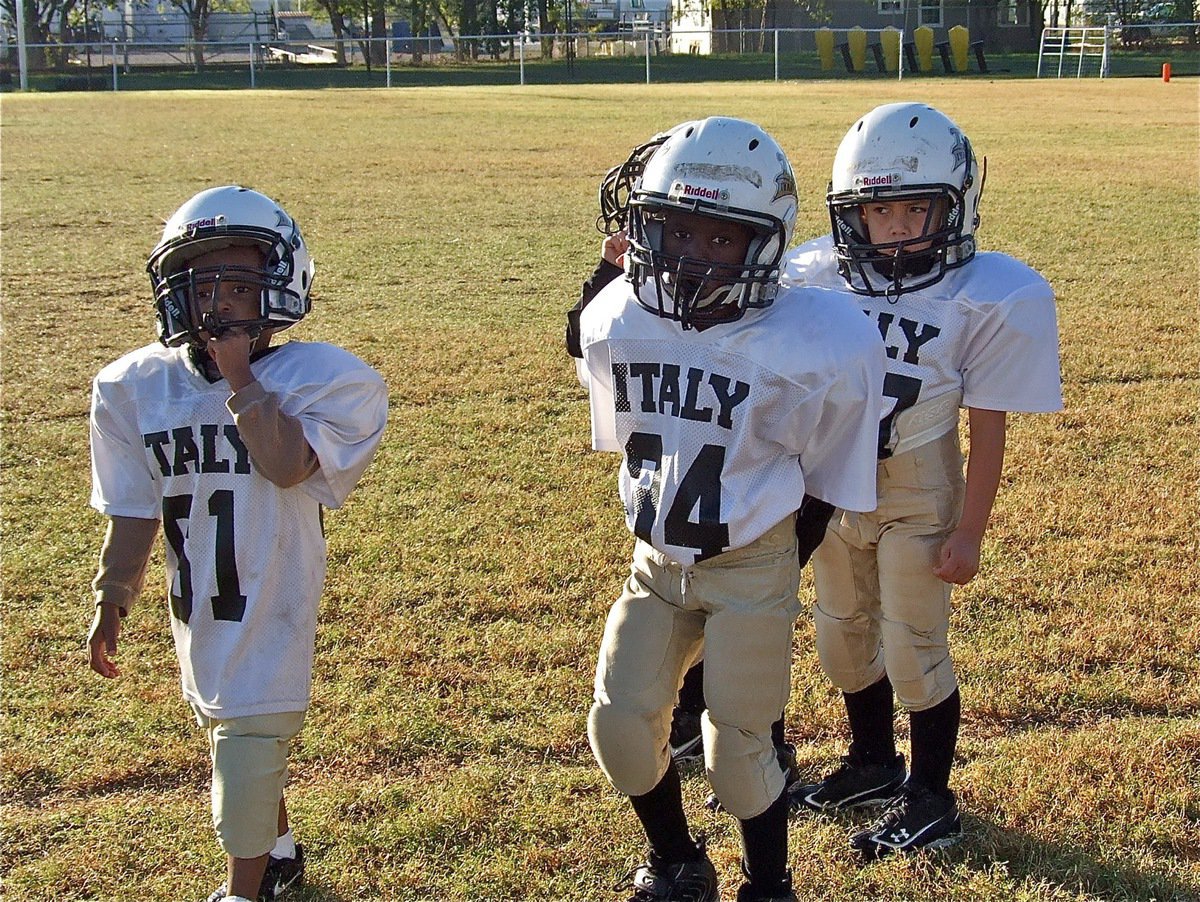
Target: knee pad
{"x": 742, "y": 768}
{"x": 630, "y": 747}
{"x": 245, "y": 804}
{"x": 848, "y": 649}
{"x": 919, "y": 665}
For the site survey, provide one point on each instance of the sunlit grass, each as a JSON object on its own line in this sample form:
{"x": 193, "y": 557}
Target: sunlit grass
{"x": 445, "y": 755}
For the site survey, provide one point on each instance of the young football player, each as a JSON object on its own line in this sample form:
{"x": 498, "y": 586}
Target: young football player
{"x": 686, "y": 741}
{"x": 729, "y": 401}
{"x": 962, "y": 329}
{"x": 234, "y": 447}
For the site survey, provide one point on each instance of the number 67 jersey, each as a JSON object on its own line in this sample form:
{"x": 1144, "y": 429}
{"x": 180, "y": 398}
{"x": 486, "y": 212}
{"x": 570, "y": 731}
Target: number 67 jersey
{"x": 985, "y": 336}
{"x": 724, "y": 429}
{"x": 245, "y": 557}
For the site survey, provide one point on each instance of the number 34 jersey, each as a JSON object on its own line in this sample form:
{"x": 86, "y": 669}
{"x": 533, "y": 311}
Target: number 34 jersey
{"x": 725, "y": 429}
{"x": 245, "y": 558}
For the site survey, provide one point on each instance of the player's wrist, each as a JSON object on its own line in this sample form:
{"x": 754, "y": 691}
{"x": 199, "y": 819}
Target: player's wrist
{"x": 112, "y": 606}
{"x": 239, "y": 377}
{"x": 971, "y": 531}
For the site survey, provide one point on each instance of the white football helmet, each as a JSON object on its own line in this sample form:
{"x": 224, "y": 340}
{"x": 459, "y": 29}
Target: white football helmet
{"x": 729, "y": 170}
{"x": 897, "y": 152}
{"x": 212, "y": 220}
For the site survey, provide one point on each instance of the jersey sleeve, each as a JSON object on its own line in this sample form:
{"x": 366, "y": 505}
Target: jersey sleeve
{"x": 605, "y": 272}
{"x": 343, "y": 422}
{"x": 122, "y": 484}
{"x": 595, "y": 373}
{"x": 813, "y": 263}
{"x": 1010, "y": 359}
{"x": 594, "y": 369}
{"x": 839, "y": 461}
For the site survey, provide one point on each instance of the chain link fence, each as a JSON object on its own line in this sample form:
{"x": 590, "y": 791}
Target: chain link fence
{"x": 651, "y": 55}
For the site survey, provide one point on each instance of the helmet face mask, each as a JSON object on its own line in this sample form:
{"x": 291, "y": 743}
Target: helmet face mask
{"x": 701, "y": 291}
{"x": 617, "y": 186}
{"x": 904, "y": 154}
{"x": 735, "y": 176}
{"x": 214, "y": 221}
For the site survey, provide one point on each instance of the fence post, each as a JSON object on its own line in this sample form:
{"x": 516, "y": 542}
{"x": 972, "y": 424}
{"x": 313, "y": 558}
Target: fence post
{"x": 521, "y": 54}
{"x": 22, "y": 52}
{"x": 387, "y": 59}
{"x": 777, "y": 54}
{"x": 114, "y": 65}
{"x": 251, "y": 56}
{"x": 647, "y": 57}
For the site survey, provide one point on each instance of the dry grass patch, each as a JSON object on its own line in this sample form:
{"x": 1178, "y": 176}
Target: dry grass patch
{"x": 445, "y": 756}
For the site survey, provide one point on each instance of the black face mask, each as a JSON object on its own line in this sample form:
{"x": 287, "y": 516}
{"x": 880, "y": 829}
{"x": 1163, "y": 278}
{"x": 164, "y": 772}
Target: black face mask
{"x": 903, "y": 266}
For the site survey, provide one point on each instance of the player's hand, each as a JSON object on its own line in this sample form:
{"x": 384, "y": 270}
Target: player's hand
{"x": 102, "y": 640}
{"x": 958, "y": 560}
{"x": 614, "y": 247}
{"x": 231, "y": 353}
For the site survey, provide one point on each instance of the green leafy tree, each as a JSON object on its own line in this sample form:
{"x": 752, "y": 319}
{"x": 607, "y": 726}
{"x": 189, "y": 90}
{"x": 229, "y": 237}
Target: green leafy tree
{"x": 40, "y": 16}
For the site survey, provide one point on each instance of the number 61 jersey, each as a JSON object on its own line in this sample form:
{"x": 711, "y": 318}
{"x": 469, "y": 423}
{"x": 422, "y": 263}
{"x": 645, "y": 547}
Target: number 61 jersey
{"x": 725, "y": 429}
{"x": 245, "y": 558}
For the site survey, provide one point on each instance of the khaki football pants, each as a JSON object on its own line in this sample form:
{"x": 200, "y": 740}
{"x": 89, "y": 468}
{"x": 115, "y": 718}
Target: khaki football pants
{"x": 879, "y": 607}
{"x": 737, "y": 609}
{"x": 249, "y": 771}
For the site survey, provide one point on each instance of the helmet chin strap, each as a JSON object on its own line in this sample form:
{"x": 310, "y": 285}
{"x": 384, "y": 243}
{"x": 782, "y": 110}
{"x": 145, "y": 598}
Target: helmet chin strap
{"x": 215, "y": 328}
{"x": 903, "y": 265}
{"x": 719, "y": 296}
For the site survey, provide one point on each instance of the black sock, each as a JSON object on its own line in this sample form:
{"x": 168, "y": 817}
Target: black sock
{"x": 764, "y": 848}
{"x": 872, "y": 735}
{"x": 777, "y": 733}
{"x": 934, "y": 736}
{"x": 691, "y": 694}
{"x": 661, "y": 813}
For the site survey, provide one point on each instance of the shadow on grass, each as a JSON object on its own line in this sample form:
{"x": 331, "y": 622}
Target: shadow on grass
{"x": 1075, "y": 869}
{"x": 152, "y": 777}
{"x": 1033, "y": 862}
{"x": 1009, "y": 724}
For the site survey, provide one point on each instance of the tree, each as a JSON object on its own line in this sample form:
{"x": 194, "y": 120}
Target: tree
{"x": 375, "y": 26}
{"x": 338, "y": 11}
{"x": 39, "y": 16}
{"x": 197, "y": 12}
{"x": 468, "y": 23}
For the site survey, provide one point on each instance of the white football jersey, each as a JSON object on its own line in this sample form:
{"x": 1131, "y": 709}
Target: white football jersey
{"x": 985, "y": 336}
{"x": 724, "y": 430}
{"x": 245, "y": 558}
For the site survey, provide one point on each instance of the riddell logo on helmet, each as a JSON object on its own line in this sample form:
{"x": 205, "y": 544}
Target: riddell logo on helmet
{"x": 683, "y": 189}
{"x": 890, "y": 180}
{"x": 207, "y": 222}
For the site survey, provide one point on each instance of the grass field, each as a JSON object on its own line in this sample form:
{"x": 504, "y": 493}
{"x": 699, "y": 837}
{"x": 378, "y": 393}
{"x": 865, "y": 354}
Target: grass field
{"x": 445, "y": 755}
